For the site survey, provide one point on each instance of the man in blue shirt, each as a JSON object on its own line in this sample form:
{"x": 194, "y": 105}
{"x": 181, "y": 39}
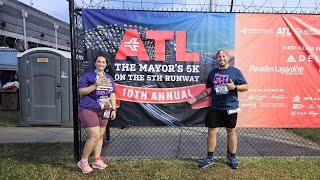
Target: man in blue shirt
{"x": 223, "y": 84}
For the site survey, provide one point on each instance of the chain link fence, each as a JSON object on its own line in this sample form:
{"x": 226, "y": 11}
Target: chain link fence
{"x": 190, "y": 142}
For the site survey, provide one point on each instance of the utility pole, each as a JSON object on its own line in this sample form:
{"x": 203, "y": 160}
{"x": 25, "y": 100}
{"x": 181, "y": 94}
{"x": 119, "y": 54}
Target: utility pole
{"x": 24, "y": 16}
{"x": 56, "y": 27}
{"x": 213, "y": 5}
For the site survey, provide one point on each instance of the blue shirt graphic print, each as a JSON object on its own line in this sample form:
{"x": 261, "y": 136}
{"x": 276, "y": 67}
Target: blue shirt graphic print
{"x": 222, "y": 98}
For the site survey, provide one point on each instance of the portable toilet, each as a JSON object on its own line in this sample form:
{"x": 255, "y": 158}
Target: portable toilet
{"x": 45, "y": 87}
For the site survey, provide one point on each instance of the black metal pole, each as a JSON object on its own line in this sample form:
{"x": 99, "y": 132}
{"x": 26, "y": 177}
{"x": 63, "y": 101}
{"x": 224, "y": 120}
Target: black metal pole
{"x": 76, "y": 143}
{"x": 231, "y": 6}
{"x": 107, "y": 135}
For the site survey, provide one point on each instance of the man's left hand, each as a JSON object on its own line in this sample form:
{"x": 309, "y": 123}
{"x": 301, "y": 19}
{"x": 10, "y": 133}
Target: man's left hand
{"x": 231, "y": 85}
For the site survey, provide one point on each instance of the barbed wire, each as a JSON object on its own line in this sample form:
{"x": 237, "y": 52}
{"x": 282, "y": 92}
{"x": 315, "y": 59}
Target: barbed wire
{"x": 251, "y": 6}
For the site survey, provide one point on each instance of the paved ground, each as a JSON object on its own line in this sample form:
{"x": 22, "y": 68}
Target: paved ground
{"x": 35, "y": 134}
{"x": 148, "y": 142}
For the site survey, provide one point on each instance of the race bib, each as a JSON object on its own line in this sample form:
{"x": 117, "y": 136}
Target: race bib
{"x": 221, "y": 89}
{"x": 105, "y": 103}
{"x": 233, "y": 111}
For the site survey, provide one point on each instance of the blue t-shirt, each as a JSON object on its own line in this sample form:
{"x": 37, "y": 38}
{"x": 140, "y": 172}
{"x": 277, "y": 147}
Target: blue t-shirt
{"x": 90, "y": 101}
{"x": 223, "y": 99}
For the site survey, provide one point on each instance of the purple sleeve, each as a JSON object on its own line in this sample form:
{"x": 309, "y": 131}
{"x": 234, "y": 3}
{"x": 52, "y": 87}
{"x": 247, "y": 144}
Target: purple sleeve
{"x": 83, "y": 82}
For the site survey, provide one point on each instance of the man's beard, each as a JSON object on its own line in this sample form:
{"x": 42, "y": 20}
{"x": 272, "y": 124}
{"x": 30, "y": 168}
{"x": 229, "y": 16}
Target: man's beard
{"x": 223, "y": 66}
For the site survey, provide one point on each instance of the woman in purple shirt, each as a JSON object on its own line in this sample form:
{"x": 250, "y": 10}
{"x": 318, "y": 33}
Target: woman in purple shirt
{"x": 97, "y": 106}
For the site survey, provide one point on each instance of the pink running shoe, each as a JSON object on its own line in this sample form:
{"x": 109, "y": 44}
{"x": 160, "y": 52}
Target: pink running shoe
{"x": 99, "y": 164}
{"x": 84, "y": 166}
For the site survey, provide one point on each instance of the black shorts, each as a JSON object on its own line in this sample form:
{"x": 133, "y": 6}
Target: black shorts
{"x": 220, "y": 118}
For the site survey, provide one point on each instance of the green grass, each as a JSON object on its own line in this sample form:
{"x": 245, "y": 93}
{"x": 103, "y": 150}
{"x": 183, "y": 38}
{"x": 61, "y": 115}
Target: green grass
{"x": 55, "y": 161}
{"x": 313, "y": 134}
{"x": 9, "y": 118}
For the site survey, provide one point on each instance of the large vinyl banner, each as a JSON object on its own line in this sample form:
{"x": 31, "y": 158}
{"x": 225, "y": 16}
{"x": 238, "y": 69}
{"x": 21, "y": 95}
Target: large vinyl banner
{"x": 161, "y": 59}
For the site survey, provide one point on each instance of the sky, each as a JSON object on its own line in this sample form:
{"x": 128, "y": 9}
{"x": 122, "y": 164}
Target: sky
{"x": 60, "y": 8}
{"x": 55, "y": 8}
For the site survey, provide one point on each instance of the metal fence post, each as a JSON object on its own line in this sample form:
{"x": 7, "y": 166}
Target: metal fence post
{"x": 76, "y": 144}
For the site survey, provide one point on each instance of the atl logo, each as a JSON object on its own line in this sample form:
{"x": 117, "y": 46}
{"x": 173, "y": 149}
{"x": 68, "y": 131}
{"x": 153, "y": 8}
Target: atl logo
{"x": 132, "y": 45}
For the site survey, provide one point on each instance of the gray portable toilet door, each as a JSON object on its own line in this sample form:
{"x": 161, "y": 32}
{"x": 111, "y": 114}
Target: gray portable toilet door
{"x": 45, "y": 90}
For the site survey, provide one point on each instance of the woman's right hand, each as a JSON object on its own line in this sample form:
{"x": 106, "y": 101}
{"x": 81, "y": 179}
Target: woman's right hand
{"x": 99, "y": 82}
{"x": 113, "y": 114}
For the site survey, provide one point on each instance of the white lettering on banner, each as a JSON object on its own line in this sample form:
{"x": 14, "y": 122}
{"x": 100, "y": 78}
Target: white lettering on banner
{"x": 135, "y": 77}
{"x": 311, "y": 106}
{"x": 274, "y": 90}
{"x": 156, "y": 71}
{"x": 250, "y": 105}
{"x": 311, "y": 32}
{"x": 296, "y": 99}
{"x": 278, "y": 97}
{"x": 292, "y": 70}
{"x": 298, "y": 106}
{"x": 159, "y": 96}
{"x": 303, "y": 58}
{"x": 308, "y": 98}
{"x": 283, "y": 31}
{"x": 313, "y": 113}
{"x": 297, "y": 113}
{"x": 273, "y": 105}
{"x": 193, "y": 68}
{"x": 178, "y": 78}
{"x": 300, "y": 48}
{"x": 156, "y": 68}
{"x": 257, "y": 97}
{"x": 136, "y": 94}
{"x": 120, "y": 77}
{"x": 154, "y": 77}
{"x": 171, "y": 95}
{"x": 265, "y": 68}
{"x": 125, "y": 67}
{"x": 246, "y": 30}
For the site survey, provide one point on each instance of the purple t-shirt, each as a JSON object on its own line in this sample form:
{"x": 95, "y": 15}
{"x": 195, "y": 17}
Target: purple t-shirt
{"x": 90, "y": 101}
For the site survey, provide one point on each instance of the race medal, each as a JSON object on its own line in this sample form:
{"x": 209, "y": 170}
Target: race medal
{"x": 106, "y": 84}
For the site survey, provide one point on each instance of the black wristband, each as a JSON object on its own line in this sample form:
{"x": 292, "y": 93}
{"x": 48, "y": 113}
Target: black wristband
{"x": 236, "y": 88}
